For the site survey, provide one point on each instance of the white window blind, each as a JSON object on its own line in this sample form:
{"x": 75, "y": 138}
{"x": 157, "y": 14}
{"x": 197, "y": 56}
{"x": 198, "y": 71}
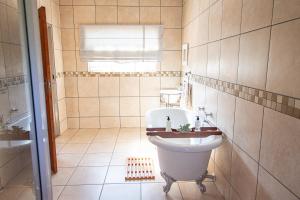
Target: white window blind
{"x": 120, "y": 43}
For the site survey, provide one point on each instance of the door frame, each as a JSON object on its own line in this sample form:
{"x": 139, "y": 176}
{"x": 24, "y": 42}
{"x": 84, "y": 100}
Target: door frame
{"x": 48, "y": 86}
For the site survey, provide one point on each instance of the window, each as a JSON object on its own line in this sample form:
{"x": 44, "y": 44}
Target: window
{"x": 121, "y": 48}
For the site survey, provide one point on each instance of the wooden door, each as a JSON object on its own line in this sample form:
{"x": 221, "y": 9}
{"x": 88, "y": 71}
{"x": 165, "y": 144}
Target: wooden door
{"x": 48, "y": 90}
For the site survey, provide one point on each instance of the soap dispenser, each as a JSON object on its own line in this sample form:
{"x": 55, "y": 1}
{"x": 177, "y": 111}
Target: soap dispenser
{"x": 168, "y": 125}
{"x": 197, "y": 124}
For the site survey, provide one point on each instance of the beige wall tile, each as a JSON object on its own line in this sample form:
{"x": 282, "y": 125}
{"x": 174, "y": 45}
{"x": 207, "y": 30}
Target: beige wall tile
{"x": 149, "y": 2}
{"x": 88, "y": 86}
{"x": 232, "y": 16}
{"x": 69, "y": 60}
{"x": 202, "y": 34}
{"x": 129, "y": 106}
{"x": 234, "y": 195}
{"x": 256, "y": 14}
{"x": 128, "y": 15}
{"x": 88, "y": 107}
{"x": 226, "y": 110}
{"x": 148, "y": 103}
{"x": 107, "y": 2}
{"x": 60, "y": 88}
{"x": 66, "y": 17}
{"x": 73, "y": 123}
{"x": 109, "y": 106}
{"x": 81, "y": 65}
{"x": 215, "y": 21}
{"x": 106, "y": 14}
{"x": 172, "y": 39}
{"x": 171, "y": 61}
{"x": 283, "y": 69}
{"x": 285, "y": 10}
{"x": 198, "y": 60}
{"x": 171, "y": 2}
{"x": 149, "y": 86}
{"x": 280, "y": 148}
{"x": 68, "y": 39}
{"x": 72, "y": 107}
{"x": 213, "y": 62}
{"x": 84, "y": 2}
{"x": 71, "y": 87}
{"x": 222, "y": 184}
{"x": 269, "y": 188}
{"x": 211, "y": 103}
{"x": 84, "y": 15}
{"x": 243, "y": 174}
{"x": 150, "y": 15}
{"x": 130, "y": 122}
{"x": 171, "y": 17}
{"x": 247, "y": 127}
{"x": 170, "y": 82}
{"x": 109, "y": 122}
{"x": 198, "y": 96}
{"x": 129, "y": 86}
{"x": 109, "y": 86}
{"x": 254, "y": 47}
{"x": 89, "y": 122}
{"x": 65, "y": 2}
{"x": 62, "y": 110}
{"x": 223, "y": 158}
{"x": 229, "y": 59}
{"x": 128, "y": 2}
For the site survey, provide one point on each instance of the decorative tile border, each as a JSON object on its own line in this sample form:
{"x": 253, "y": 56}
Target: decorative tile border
{"x": 11, "y": 81}
{"x": 119, "y": 74}
{"x": 281, "y": 103}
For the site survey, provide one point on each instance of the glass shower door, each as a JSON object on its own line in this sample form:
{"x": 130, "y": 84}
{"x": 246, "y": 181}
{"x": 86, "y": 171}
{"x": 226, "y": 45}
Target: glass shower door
{"x": 21, "y": 139}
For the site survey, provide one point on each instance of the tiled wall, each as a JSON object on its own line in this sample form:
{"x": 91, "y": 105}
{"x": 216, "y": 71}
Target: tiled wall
{"x": 98, "y": 100}
{"x": 244, "y": 57}
{"x": 53, "y": 17}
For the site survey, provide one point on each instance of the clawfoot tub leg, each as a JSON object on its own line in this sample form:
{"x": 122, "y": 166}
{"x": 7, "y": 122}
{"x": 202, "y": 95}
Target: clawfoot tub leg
{"x": 169, "y": 180}
{"x": 204, "y": 176}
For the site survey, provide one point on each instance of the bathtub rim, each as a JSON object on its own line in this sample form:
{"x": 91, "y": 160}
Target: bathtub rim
{"x": 186, "y": 148}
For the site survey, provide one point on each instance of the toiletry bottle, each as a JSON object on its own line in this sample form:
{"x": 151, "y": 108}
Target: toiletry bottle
{"x": 168, "y": 125}
{"x": 197, "y": 124}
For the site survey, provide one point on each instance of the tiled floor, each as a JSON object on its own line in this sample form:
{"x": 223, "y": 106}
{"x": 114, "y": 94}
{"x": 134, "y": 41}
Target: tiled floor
{"x": 92, "y": 166}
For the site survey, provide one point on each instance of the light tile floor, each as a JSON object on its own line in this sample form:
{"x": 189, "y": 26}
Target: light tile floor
{"x": 92, "y": 166}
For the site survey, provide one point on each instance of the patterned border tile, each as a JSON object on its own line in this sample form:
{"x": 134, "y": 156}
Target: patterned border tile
{"x": 283, "y": 104}
{"x": 119, "y": 74}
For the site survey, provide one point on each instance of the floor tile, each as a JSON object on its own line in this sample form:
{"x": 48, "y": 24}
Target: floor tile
{"x": 74, "y": 148}
{"x": 155, "y": 191}
{"x": 130, "y": 130}
{"x": 121, "y": 191}
{"x": 88, "y": 175}
{"x": 56, "y": 191}
{"x": 68, "y": 160}
{"x": 81, "y": 192}
{"x": 103, "y": 137}
{"x": 128, "y": 147}
{"x": 102, "y": 147}
{"x": 191, "y": 191}
{"x": 116, "y": 174}
{"x": 95, "y": 159}
{"x": 62, "y": 176}
{"x": 82, "y": 139}
{"x": 109, "y": 130}
{"x": 119, "y": 158}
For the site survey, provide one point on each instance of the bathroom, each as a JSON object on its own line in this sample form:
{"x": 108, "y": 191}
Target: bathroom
{"x": 234, "y": 63}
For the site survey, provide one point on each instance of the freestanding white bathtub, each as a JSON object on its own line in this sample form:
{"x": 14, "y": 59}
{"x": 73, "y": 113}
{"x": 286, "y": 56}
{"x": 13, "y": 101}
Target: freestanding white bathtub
{"x": 181, "y": 159}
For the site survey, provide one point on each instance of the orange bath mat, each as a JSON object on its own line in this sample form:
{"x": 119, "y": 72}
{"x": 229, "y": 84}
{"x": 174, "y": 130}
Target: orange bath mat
{"x": 139, "y": 168}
